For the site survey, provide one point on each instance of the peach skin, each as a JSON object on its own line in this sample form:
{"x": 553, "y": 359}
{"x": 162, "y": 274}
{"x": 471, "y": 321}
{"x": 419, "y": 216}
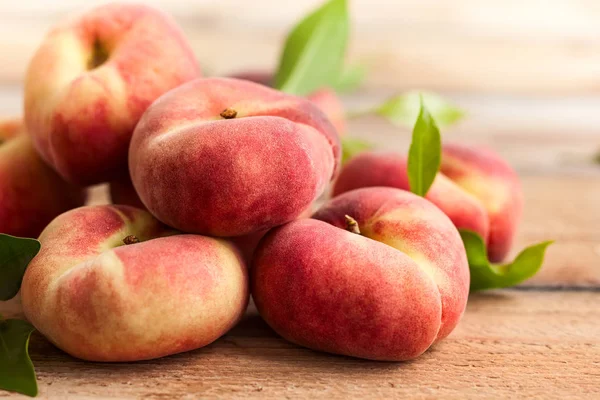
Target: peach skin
{"x": 123, "y": 192}
{"x": 31, "y": 193}
{"x": 325, "y": 98}
{"x": 476, "y": 188}
{"x": 111, "y": 283}
{"x": 379, "y": 274}
{"x": 91, "y": 80}
{"x": 227, "y": 157}
{"x": 248, "y": 243}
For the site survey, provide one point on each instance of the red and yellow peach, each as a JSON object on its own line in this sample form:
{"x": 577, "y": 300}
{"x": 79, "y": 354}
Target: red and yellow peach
{"x": 228, "y": 157}
{"x": 111, "y": 283}
{"x": 387, "y": 293}
{"x": 92, "y": 78}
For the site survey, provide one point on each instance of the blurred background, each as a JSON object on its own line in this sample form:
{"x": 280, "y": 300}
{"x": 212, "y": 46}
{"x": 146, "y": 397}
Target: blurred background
{"x": 541, "y": 47}
{"x": 520, "y": 66}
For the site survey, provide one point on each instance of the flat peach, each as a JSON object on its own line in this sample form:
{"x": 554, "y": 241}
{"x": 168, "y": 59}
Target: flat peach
{"x": 228, "y": 157}
{"x": 91, "y": 80}
{"x": 387, "y": 293}
{"x": 111, "y": 283}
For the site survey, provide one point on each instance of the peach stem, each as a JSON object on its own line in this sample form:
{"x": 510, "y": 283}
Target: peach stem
{"x": 352, "y": 225}
{"x": 228, "y": 113}
{"x": 131, "y": 239}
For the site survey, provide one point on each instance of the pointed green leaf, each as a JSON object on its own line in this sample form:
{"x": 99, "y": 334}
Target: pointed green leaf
{"x": 353, "y": 146}
{"x": 313, "y": 54}
{"x": 15, "y": 255}
{"x": 350, "y": 79}
{"x": 403, "y": 109}
{"x": 485, "y": 275}
{"x": 425, "y": 153}
{"x": 16, "y": 369}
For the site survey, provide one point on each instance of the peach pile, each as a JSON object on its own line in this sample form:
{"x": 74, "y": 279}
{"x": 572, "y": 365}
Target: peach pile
{"x": 216, "y": 179}
{"x": 476, "y": 188}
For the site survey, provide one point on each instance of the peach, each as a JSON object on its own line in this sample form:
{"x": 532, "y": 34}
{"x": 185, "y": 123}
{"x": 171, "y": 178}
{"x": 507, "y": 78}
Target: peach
{"x": 387, "y": 293}
{"x": 476, "y": 188}
{"x": 325, "y": 98}
{"x": 228, "y": 157}
{"x": 31, "y": 193}
{"x": 91, "y": 80}
{"x": 111, "y": 283}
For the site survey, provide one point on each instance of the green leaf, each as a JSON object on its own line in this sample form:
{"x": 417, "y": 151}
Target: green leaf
{"x": 16, "y": 369}
{"x": 15, "y": 255}
{"x": 314, "y": 51}
{"x": 425, "y": 153}
{"x": 485, "y": 275}
{"x": 403, "y": 109}
{"x": 350, "y": 79}
{"x": 353, "y": 146}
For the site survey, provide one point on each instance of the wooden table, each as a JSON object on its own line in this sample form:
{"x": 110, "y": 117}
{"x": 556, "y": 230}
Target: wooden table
{"x": 539, "y": 340}
{"x": 531, "y": 94}
{"x": 511, "y": 343}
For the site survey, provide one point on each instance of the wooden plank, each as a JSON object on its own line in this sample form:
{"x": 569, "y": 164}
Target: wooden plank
{"x": 510, "y": 344}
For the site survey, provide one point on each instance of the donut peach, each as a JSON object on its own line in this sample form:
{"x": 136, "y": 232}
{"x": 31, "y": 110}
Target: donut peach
{"x": 111, "y": 283}
{"x": 92, "y": 78}
{"x": 379, "y": 273}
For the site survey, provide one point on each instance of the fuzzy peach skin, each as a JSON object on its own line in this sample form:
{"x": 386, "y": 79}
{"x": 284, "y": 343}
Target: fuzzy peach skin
{"x": 387, "y": 293}
{"x": 91, "y": 80}
{"x": 325, "y": 98}
{"x": 123, "y": 192}
{"x": 31, "y": 193}
{"x": 202, "y": 173}
{"x": 247, "y": 244}
{"x": 476, "y": 188}
{"x": 100, "y": 300}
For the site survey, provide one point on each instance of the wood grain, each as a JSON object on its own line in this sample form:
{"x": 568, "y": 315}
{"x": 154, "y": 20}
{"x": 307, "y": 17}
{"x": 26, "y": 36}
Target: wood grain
{"x": 510, "y": 344}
